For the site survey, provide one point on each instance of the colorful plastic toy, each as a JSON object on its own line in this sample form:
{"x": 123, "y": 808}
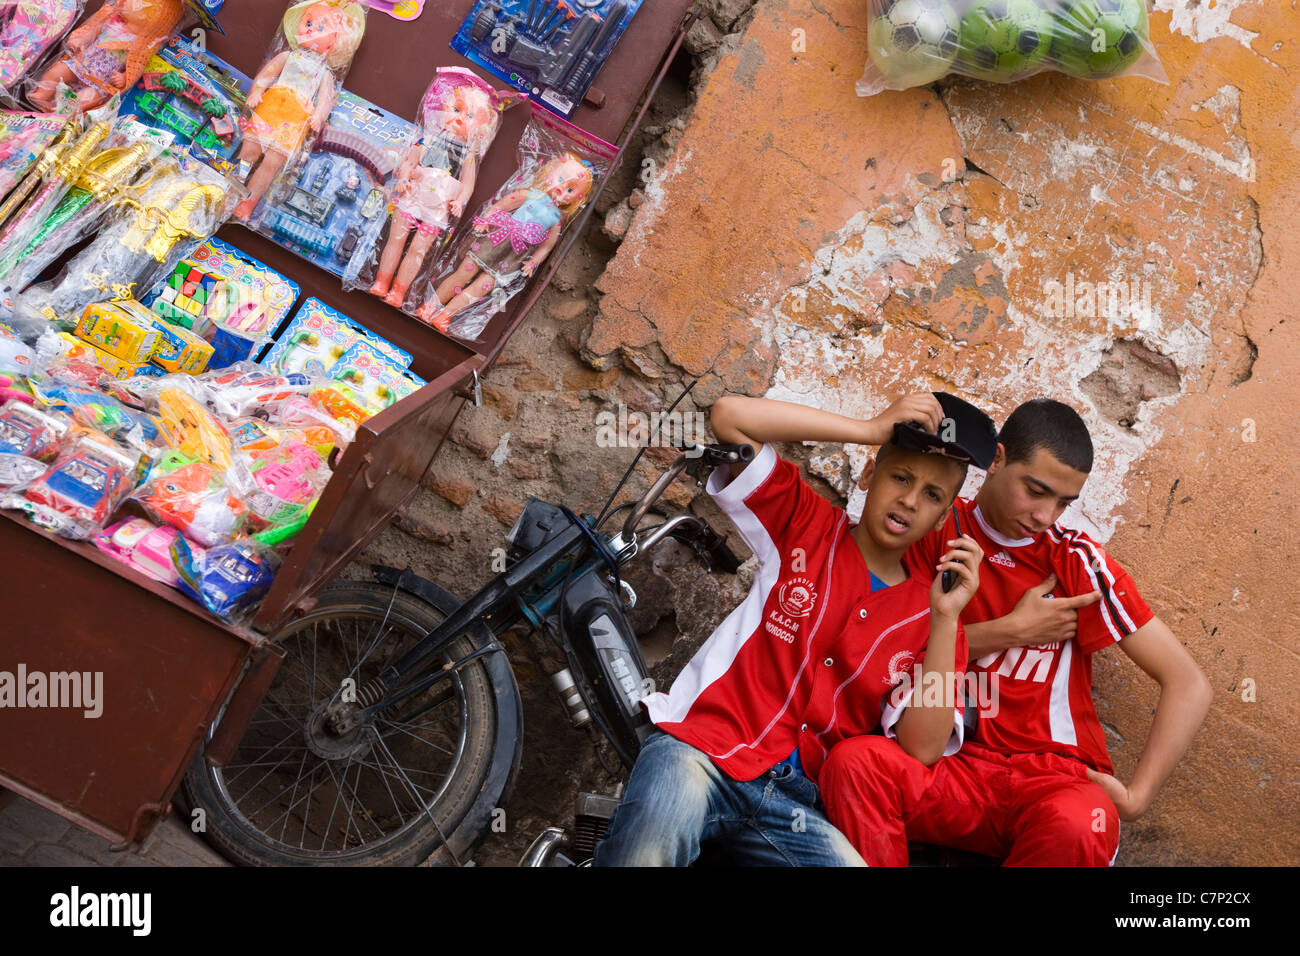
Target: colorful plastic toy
{"x": 144, "y": 546}
{"x": 76, "y": 495}
{"x": 191, "y": 495}
{"x": 25, "y": 430}
{"x": 225, "y": 578}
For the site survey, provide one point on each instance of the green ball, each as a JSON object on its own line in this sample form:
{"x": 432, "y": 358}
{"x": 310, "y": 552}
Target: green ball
{"x": 1098, "y": 38}
{"x": 914, "y": 42}
{"x": 1002, "y": 39}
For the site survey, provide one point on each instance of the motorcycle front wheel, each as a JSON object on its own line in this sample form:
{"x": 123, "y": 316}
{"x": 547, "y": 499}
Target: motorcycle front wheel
{"x": 390, "y": 793}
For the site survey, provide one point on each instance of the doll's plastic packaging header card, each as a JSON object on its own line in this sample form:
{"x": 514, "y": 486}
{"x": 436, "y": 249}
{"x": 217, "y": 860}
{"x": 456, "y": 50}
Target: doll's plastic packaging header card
{"x": 550, "y": 49}
{"x": 331, "y": 206}
{"x": 22, "y": 137}
{"x": 915, "y": 42}
{"x": 196, "y": 96}
{"x": 318, "y": 337}
{"x": 29, "y": 32}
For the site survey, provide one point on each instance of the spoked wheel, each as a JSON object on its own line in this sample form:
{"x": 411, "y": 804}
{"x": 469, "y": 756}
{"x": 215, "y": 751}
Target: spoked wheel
{"x": 302, "y": 789}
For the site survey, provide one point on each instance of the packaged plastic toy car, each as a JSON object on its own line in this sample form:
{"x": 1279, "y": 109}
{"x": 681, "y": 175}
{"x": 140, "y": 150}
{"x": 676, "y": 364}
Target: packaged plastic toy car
{"x": 78, "y": 493}
{"x": 226, "y": 578}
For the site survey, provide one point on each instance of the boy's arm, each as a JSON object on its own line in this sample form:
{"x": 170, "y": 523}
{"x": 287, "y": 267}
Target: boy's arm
{"x": 1185, "y": 697}
{"x": 924, "y": 731}
{"x": 739, "y": 419}
{"x": 1033, "y": 621}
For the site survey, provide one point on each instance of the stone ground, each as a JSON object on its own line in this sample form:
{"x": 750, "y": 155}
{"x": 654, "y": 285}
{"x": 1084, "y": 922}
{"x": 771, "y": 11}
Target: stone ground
{"x": 30, "y": 835}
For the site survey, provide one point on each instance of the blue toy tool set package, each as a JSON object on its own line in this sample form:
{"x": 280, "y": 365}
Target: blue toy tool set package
{"x": 331, "y": 206}
{"x": 550, "y": 49}
{"x": 194, "y": 95}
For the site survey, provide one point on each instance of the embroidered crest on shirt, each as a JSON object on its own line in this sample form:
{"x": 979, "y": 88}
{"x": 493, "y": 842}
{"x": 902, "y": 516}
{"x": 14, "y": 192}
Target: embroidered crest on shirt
{"x": 899, "y": 665}
{"x": 796, "y": 597}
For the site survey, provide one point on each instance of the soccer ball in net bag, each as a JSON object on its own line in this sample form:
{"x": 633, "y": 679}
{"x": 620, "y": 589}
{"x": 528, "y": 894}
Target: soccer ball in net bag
{"x": 1001, "y": 39}
{"x": 1098, "y": 38}
{"x": 914, "y": 42}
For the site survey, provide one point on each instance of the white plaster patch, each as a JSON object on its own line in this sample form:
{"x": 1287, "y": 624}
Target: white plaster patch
{"x": 1205, "y": 20}
{"x": 1243, "y": 166}
{"x": 503, "y": 451}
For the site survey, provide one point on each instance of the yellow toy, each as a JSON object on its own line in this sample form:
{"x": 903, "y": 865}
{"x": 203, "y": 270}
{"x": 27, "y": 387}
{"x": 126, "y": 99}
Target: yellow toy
{"x": 122, "y": 327}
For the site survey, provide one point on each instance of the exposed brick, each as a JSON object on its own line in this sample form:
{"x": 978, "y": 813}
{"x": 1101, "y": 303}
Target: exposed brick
{"x": 455, "y": 490}
{"x": 423, "y": 530}
{"x": 534, "y": 382}
{"x": 587, "y": 378}
{"x": 503, "y": 401}
{"x": 38, "y": 823}
{"x": 476, "y": 439}
{"x": 679, "y": 494}
{"x": 535, "y": 440}
{"x": 525, "y": 469}
{"x": 54, "y": 855}
{"x": 505, "y": 510}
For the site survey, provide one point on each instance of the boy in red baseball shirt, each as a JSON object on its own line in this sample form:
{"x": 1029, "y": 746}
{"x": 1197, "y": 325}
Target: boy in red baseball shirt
{"x": 1033, "y": 783}
{"x": 832, "y": 623}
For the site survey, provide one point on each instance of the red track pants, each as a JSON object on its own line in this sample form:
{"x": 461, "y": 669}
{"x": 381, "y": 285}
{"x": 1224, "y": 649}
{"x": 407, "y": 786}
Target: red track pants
{"x": 1032, "y": 809}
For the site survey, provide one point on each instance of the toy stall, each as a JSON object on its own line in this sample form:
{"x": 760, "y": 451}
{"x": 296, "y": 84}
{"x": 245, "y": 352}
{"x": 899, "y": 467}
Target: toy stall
{"x": 254, "y": 259}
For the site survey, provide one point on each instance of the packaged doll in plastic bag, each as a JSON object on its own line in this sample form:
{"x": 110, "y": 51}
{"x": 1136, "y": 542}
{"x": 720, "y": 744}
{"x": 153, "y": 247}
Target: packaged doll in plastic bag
{"x": 293, "y": 93}
{"x": 28, "y": 29}
{"x": 107, "y": 54}
{"x": 915, "y": 42}
{"x": 559, "y": 166}
{"x": 459, "y": 118}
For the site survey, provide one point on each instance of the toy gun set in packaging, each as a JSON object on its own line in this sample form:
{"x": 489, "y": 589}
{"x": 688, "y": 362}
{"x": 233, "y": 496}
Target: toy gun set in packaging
{"x": 550, "y": 49}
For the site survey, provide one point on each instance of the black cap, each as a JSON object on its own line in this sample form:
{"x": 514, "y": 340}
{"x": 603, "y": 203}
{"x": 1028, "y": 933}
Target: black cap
{"x": 966, "y": 434}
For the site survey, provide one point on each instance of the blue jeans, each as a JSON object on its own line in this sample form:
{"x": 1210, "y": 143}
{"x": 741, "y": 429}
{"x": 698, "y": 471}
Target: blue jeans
{"x": 676, "y": 798}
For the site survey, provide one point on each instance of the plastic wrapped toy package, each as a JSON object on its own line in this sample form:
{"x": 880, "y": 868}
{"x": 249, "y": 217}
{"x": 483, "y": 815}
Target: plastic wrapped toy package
{"x": 179, "y": 204}
{"x": 194, "y": 95}
{"x": 557, "y": 171}
{"x": 550, "y": 49}
{"x": 329, "y": 206}
{"x": 23, "y": 136}
{"x": 28, "y": 30}
{"x": 76, "y": 495}
{"x": 295, "y": 90}
{"x": 227, "y": 578}
{"x": 107, "y": 54}
{"x": 915, "y": 42}
{"x": 192, "y": 496}
{"x": 99, "y": 170}
{"x": 459, "y": 118}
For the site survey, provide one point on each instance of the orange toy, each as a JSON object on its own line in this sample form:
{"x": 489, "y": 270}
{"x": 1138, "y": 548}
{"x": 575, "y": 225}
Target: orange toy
{"x": 107, "y": 54}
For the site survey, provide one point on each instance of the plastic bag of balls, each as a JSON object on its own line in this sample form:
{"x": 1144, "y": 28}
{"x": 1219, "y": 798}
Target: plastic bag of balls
{"x": 915, "y": 42}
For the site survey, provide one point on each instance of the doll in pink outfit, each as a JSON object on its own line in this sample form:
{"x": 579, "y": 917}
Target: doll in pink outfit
{"x": 459, "y": 117}
{"x": 27, "y": 29}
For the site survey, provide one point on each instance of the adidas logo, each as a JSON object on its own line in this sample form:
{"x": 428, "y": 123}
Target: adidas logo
{"x": 1003, "y": 559}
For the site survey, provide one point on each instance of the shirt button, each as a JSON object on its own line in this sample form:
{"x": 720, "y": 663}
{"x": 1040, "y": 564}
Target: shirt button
{"x": 862, "y": 613}
{"x": 828, "y": 662}
{"x": 803, "y": 728}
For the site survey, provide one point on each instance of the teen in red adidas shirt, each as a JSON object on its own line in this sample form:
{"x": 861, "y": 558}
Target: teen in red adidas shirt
{"x": 1033, "y": 783}
{"x": 812, "y": 656}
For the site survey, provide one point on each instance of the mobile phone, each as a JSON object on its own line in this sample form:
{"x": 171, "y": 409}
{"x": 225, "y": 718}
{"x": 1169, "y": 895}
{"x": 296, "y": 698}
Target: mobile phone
{"x": 950, "y": 577}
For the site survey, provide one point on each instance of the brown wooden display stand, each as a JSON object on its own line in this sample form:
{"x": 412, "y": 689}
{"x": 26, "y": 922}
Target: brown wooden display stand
{"x": 168, "y": 666}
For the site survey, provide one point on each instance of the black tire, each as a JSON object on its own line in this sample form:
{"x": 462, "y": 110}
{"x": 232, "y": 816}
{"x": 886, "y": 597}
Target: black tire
{"x": 249, "y": 830}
